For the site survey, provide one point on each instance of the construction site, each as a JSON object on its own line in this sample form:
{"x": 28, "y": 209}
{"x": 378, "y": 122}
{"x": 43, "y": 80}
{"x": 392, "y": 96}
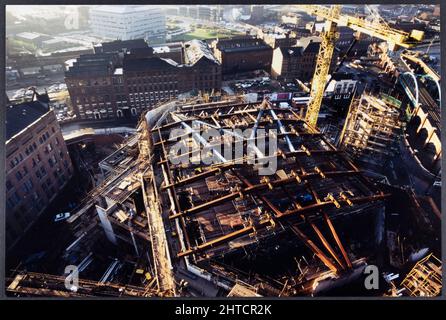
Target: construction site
{"x": 154, "y": 228}
{"x": 189, "y": 205}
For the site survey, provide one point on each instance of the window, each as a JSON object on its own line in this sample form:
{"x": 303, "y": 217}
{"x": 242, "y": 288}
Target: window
{"x": 18, "y": 175}
{"x": 13, "y": 200}
{"x": 9, "y": 185}
{"x": 28, "y": 186}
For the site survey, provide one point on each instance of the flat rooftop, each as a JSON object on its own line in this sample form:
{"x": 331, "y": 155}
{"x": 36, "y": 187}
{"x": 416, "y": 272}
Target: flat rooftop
{"x": 20, "y": 116}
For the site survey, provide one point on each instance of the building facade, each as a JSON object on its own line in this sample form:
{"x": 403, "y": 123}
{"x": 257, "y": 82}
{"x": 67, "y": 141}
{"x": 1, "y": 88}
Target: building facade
{"x": 129, "y": 22}
{"x": 38, "y": 165}
{"x": 290, "y": 63}
{"x": 124, "y": 83}
{"x": 242, "y": 54}
{"x": 275, "y": 40}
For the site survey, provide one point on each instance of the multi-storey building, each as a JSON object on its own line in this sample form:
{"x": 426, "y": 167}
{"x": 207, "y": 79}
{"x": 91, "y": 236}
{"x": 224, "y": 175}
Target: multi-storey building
{"x": 290, "y": 63}
{"x": 275, "y": 40}
{"x": 201, "y": 69}
{"x": 95, "y": 85}
{"x": 242, "y": 54}
{"x": 37, "y": 164}
{"x": 129, "y": 22}
{"x": 123, "y": 83}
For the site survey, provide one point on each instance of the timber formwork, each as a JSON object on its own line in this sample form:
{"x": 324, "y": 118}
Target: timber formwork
{"x": 227, "y": 204}
{"x": 371, "y": 128}
{"x": 424, "y": 280}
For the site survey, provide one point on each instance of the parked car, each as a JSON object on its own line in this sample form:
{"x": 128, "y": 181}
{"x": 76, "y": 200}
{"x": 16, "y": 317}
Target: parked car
{"x": 62, "y": 216}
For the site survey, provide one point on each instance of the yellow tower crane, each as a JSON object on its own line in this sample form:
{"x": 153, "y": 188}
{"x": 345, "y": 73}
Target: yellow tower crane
{"x": 375, "y": 27}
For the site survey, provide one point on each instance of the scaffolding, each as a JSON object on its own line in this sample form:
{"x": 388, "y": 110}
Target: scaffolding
{"x": 372, "y": 126}
{"x": 424, "y": 280}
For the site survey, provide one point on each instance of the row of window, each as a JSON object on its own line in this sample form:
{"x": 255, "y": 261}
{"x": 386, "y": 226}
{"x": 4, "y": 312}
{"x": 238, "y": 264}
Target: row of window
{"x": 28, "y": 186}
{"x": 20, "y": 174}
{"x": 152, "y": 80}
{"x": 45, "y": 137}
{"x": 30, "y": 148}
{"x": 156, "y": 87}
{"x": 41, "y": 172}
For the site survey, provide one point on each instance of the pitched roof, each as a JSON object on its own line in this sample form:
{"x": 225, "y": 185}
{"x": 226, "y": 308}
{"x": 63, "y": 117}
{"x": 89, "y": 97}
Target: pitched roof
{"x": 196, "y": 50}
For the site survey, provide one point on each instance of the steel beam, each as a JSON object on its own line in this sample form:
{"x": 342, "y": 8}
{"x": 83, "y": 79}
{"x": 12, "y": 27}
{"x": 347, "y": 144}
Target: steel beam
{"x": 338, "y": 240}
{"x": 282, "y": 130}
{"x": 217, "y": 241}
{"x": 324, "y": 204}
{"x": 327, "y": 245}
{"x": 251, "y": 188}
{"x": 314, "y": 248}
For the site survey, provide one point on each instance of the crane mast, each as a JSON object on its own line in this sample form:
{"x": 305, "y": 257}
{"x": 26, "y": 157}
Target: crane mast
{"x": 323, "y": 63}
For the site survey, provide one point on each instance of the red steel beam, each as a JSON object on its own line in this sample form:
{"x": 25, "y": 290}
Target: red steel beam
{"x": 313, "y": 247}
{"x": 259, "y": 187}
{"x": 217, "y": 241}
{"x": 327, "y": 245}
{"x": 323, "y": 204}
{"x": 338, "y": 240}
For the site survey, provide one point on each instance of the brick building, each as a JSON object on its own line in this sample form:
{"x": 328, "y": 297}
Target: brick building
{"x": 95, "y": 85}
{"x": 275, "y": 40}
{"x": 37, "y": 164}
{"x": 242, "y": 54}
{"x": 201, "y": 69}
{"x": 171, "y": 50}
{"x": 122, "y": 82}
{"x": 290, "y": 63}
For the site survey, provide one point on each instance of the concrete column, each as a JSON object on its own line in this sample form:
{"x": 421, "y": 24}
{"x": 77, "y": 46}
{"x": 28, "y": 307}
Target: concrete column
{"x": 106, "y": 224}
